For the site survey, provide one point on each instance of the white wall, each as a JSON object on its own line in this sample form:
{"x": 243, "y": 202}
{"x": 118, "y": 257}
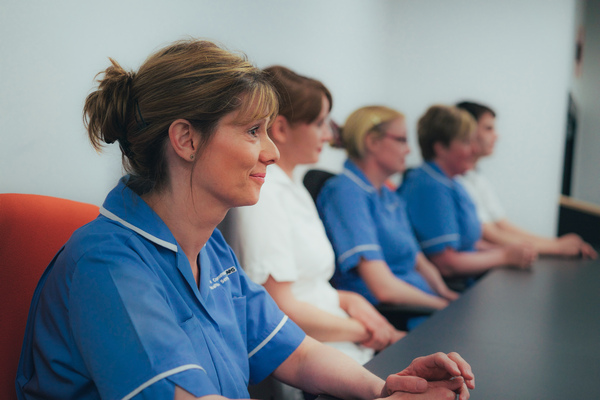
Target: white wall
{"x": 513, "y": 55}
{"x": 586, "y": 91}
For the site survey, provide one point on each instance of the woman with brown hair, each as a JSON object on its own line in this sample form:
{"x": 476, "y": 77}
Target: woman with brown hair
{"x": 148, "y": 301}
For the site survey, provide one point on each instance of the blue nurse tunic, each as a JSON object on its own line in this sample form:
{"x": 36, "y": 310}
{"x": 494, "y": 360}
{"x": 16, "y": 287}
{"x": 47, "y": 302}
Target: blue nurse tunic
{"x": 363, "y": 222}
{"x": 118, "y": 315}
{"x": 440, "y": 211}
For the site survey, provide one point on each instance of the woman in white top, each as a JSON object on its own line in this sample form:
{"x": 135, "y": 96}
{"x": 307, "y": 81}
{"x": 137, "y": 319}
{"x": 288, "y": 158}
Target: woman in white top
{"x": 496, "y": 227}
{"x": 281, "y": 241}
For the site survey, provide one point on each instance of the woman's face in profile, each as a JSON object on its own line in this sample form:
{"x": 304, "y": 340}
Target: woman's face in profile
{"x": 232, "y": 167}
{"x": 459, "y": 156}
{"x": 391, "y": 149}
{"x": 308, "y": 139}
{"x": 486, "y": 135}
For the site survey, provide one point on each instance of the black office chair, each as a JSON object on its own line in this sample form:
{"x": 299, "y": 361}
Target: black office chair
{"x": 397, "y": 314}
{"x": 314, "y": 180}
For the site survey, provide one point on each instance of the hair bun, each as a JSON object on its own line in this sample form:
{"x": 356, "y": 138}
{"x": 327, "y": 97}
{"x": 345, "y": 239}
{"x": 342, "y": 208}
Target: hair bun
{"x": 107, "y": 109}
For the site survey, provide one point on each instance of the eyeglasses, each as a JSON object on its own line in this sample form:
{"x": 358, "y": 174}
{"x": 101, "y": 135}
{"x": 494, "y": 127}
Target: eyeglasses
{"x": 398, "y": 139}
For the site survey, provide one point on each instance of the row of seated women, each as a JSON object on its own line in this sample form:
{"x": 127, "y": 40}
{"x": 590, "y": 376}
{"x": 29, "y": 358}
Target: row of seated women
{"x": 375, "y": 244}
{"x": 149, "y": 302}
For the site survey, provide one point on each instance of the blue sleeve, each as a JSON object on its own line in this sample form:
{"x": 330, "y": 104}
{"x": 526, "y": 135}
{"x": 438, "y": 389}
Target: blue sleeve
{"x": 346, "y": 214}
{"x": 129, "y": 338}
{"x": 430, "y": 208}
{"x": 270, "y": 335}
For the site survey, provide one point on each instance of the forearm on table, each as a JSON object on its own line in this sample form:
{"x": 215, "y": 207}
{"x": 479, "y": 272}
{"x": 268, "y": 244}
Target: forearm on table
{"x": 453, "y": 263}
{"x": 319, "y": 369}
{"x": 325, "y": 326}
{"x": 496, "y": 234}
{"x": 388, "y": 288}
{"x": 430, "y": 273}
{"x": 320, "y": 324}
{"x": 505, "y": 233}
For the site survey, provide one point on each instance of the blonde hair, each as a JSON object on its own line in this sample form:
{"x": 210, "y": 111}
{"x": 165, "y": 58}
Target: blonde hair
{"x": 365, "y": 120}
{"x": 191, "y": 79}
{"x": 443, "y": 124}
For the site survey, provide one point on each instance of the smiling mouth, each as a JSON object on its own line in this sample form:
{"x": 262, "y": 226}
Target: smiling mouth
{"x": 258, "y": 177}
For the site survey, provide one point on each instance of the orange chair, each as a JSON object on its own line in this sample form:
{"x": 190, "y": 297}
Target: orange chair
{"x": 32, "y": 229}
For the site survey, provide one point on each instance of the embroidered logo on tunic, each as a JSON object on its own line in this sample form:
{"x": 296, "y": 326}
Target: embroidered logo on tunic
{"x": 222, "y": 277}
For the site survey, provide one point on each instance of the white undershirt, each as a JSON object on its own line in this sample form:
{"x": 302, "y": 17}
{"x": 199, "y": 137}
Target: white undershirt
{"x": 487, "y": 203}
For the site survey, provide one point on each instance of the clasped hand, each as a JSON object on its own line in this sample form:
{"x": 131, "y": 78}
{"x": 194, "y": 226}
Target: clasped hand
{"x": 437, "y": 376}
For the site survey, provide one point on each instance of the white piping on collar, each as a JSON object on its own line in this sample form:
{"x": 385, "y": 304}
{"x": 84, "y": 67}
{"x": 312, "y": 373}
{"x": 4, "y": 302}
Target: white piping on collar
{"x": 358, "y": 181}
{"x": 158, "y": 377}
{"x": 137, "y": 230}
{"x": 437, "y": 176}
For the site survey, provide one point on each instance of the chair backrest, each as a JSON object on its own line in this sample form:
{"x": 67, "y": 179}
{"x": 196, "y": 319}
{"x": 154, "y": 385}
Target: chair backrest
{"x": 314, "y": 180}
{"x": 32, "y": 229}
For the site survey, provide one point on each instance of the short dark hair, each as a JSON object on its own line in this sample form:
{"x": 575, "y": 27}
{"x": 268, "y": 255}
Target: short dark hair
{"x": 475, "y": 109}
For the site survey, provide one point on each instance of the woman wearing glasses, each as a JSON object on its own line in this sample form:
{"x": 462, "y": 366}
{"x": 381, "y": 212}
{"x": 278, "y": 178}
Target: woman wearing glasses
{"x": 376, "y": 252}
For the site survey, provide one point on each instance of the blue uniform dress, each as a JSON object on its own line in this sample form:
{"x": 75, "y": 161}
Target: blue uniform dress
{"x": 362, "y": 222}
{"x": 440, "y": 211}
{"x": 118, "y": 315}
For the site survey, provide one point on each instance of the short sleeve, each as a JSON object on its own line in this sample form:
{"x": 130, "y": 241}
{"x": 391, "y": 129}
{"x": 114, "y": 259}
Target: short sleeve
{"x": 430, "y": 209}
{"x": 262, "y": 238}
{"x": 272, "y": 336}
{"x": 345, "y": 211}
{"x": 128, "y": 337}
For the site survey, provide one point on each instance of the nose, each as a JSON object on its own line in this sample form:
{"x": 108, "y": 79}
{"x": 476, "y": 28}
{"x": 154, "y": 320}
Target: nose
{"x": 269, "y": 154}
{"x": 327, "y": 135}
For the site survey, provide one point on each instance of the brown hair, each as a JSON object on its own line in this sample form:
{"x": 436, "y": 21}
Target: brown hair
{"x": 300, "y": 97}
{"x": 191, "y": 79}
{"x": 365, "y": 120}
{"x": 443, "y": 124}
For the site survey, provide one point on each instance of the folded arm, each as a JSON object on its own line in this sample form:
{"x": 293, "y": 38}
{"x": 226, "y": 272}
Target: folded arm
{"x": 388, "y": 288}
{"x": 451, "y": 262}
{"x": 504, "y": 232}
{"x": 434, "y": 278}
{"x": 317, "y": 323}
{"x": 319, "y": 369}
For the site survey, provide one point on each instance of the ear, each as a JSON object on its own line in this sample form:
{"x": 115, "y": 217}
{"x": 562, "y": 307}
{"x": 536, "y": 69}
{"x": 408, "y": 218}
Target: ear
{"x": 439, "y": 149}
{"x": 184, "y": 139}
{"x": 371, "y": 141}
{"x": 279, "y": 131}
